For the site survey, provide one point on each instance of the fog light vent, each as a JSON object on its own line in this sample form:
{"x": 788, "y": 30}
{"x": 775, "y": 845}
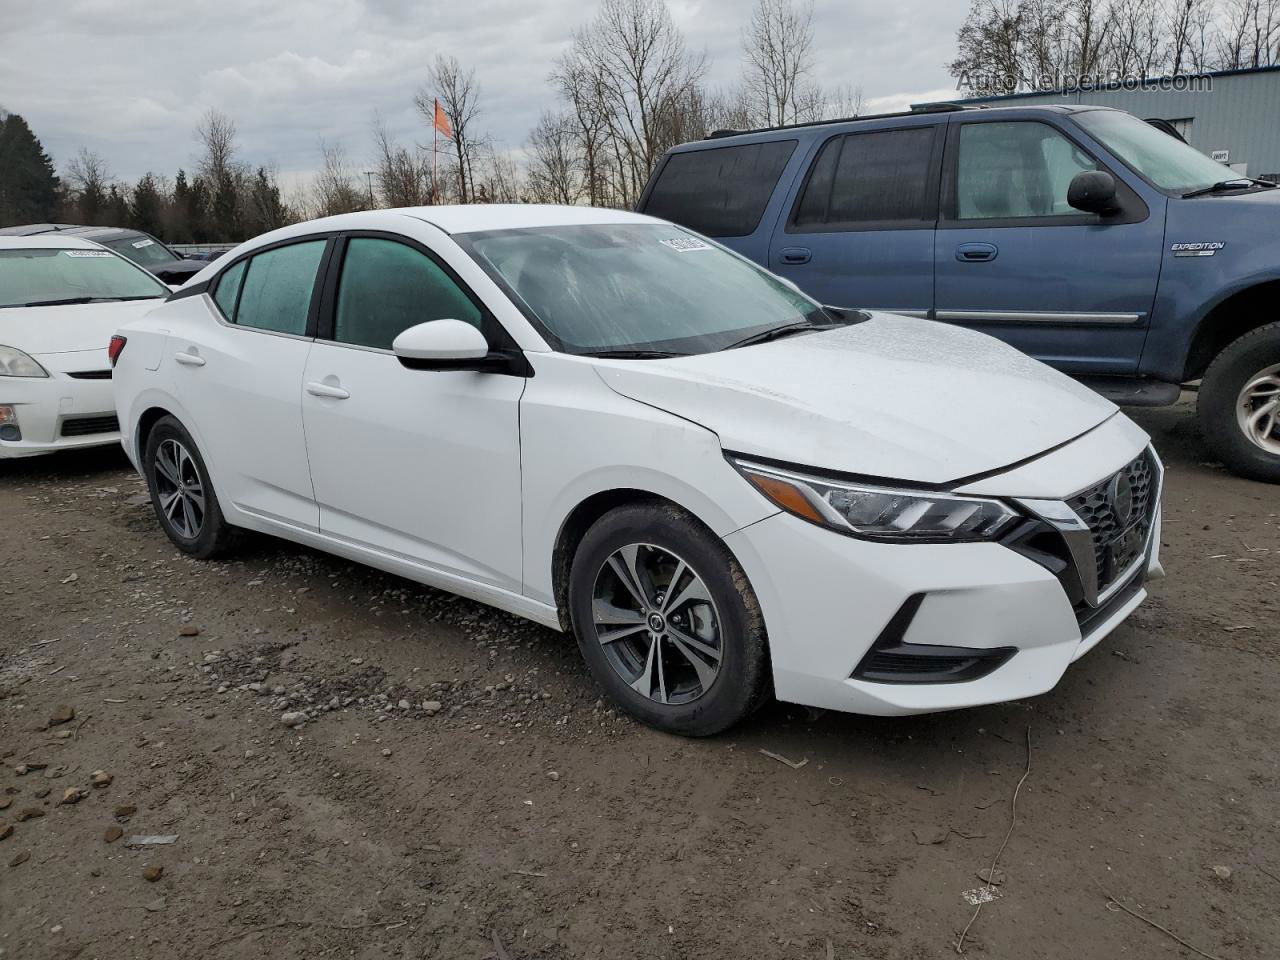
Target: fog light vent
{"x": 891, "y": 660}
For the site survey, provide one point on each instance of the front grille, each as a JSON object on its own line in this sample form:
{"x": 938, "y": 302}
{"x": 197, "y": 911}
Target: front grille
{"x": 1118, "y": 542}
{"x": 86, "y": 426}
{"x": 90, "y": 375}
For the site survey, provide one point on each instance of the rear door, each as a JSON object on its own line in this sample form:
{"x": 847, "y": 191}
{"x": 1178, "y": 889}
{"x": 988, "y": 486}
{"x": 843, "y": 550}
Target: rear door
{"x": 1015, "y": 260}
{"x": 240, "y": 379}
{"x": 857, "y": 229}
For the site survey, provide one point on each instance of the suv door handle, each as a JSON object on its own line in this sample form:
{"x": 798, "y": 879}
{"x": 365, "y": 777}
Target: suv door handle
{"x": 326, "y": 390}
{"x": 189, "y": 359}
{"x": 795, "y": 254}
{"x": 977, "y": 252}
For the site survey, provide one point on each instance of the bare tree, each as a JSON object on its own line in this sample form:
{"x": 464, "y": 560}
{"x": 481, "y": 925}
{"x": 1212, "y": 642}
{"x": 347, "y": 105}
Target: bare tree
{"x": 401, "y": 175}
{"x": 90, "y": 183}
{"x": 555, "y": 161}
{"x": 459, "y": 96}
{"x": 335, "y": 189}
{"x": 628, "y": 70}
{"x": 777, "y": 47}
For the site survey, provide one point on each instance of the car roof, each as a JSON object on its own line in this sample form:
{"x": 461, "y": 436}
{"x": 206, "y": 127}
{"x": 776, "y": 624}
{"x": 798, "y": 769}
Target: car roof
{"x": 48, "y": 241}
{"x": 452, "y": 219}
{"x": 32, "y": 229}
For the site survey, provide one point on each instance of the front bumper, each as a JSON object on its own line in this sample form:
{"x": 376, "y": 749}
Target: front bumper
{"x": 70, "y": 409}
{"x": 828, "y": 600}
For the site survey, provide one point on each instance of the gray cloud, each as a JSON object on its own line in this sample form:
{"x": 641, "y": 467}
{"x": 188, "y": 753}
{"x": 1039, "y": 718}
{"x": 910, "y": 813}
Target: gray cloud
{"x": 129, "y": 78}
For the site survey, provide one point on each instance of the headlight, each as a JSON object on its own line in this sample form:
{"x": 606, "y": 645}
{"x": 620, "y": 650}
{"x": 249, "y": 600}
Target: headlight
{"x": 15, "y": 363}
{"x": 880, "y": 513}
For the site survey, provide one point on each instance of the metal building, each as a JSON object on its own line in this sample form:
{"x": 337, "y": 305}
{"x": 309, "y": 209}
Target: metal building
{"x": 1233, "y": 115}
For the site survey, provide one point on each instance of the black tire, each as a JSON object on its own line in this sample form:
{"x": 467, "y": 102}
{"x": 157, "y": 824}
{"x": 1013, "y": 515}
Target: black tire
{"x": 1220, "y": 397}
{"x": 671, "y": 536}
{"x": 213, "y": 536}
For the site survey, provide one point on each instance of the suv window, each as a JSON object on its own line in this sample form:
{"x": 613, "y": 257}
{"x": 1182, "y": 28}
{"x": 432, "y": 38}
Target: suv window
{"x": 862, "y": 178}
{"x": 721, "y": 192}
{"x": 1016, "y": 170}
{"x": 276, "y": 289}
{"x": 387, "y": 287}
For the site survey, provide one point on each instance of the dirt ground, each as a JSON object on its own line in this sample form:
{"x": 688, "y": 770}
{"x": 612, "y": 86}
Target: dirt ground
{"x": 461, "y": 792}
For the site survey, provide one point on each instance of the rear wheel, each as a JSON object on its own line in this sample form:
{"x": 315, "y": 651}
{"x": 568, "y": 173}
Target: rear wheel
{"x": 1239, "y": 405}
{"x": 667, "y": 622}
{"x": 182, "y": 494}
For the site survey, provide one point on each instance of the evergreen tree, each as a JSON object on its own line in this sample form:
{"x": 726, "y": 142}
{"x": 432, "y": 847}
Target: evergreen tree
{"x": 147, "y": 207}
{"x": 116, "y": 210}
{"x": 28, "y": 185}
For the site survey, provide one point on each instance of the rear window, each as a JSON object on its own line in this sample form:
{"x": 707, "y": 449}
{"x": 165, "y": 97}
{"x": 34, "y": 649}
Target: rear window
{"x": 867, "y": 178}
{"x": 721, "y": 192}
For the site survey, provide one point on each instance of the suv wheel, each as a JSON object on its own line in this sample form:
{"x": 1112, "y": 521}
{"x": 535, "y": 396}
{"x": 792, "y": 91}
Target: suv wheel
{"x": 1239, "y": 404}
{"x": 182, "y": 494}
{"x": 667, "y": 622}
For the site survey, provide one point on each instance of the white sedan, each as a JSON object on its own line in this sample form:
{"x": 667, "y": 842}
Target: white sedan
{"x": 612, "y": 426}
{"x": 61, "y": 299}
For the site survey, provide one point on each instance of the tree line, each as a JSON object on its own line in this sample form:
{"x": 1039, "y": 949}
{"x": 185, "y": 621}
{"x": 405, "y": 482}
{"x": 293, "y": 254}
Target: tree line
{"x": 627, "y": 89}
{"x": 1005, "y": 46}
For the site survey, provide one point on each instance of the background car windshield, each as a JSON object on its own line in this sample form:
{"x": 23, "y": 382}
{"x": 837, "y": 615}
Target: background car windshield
{"x": 39, "y": 275}
{"x": 636, "y": 286}
{"x": 143, "y": 250}
{"x": 1164, "y": 160}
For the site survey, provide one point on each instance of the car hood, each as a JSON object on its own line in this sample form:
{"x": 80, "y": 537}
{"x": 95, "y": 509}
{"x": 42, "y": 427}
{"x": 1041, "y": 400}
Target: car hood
{"x": 891, "y": 398}
{"x": 69, "y": 328}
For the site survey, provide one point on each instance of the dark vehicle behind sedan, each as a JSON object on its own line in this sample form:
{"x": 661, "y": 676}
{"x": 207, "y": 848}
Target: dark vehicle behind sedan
{"x": 142, "y": 248}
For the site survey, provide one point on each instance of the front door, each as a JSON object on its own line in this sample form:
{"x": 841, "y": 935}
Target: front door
{"x": 858, "y": 230}
{"x": 1015, "y": 260}
{"x": 416, "y": 464}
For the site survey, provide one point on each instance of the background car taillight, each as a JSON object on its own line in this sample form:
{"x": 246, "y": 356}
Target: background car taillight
{"x": 115, "y": 348}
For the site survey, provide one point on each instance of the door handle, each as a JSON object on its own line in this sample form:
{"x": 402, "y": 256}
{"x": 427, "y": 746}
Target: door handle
{"x": 189, "y": 359}
{"x": 326, "y": 390}
{"x": 977, "y": 252}
{"x": 795, "y": 254}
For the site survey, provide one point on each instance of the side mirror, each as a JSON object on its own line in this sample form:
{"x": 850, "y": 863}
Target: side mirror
{"x": 441, "y": 345}
{"x": 1093, "y": 191}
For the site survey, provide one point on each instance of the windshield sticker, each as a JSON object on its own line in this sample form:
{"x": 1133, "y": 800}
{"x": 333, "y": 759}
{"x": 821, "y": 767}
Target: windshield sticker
{"x": 87, "y": 253}
{"x": 142, "y": 243}
{"x": 685, "y": 244}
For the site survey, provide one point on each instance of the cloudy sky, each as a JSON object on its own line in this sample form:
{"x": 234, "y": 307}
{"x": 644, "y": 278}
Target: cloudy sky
{"x": 129, "y": 79}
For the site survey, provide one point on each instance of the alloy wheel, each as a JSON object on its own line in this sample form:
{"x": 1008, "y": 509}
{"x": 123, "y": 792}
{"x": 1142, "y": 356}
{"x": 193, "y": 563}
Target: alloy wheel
{"x": 657, "y": 623}
{"x": 1258, "y": 409}
{"x": 179, "y": 489}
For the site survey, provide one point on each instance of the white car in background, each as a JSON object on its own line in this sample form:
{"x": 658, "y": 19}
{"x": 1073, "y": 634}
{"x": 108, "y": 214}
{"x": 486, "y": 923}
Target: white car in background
{"x": 607, "y": 424}
{"x": 61, "y": 299}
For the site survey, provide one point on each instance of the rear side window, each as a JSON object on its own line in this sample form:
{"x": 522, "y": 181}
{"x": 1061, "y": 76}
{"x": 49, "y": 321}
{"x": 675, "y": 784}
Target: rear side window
{"x": 228, "y": 289}
{"x": 868, "y": 178}
{"x": 721, "y": 192}
{"x": 387, "y": 287}
{"x": 276, "y": 291}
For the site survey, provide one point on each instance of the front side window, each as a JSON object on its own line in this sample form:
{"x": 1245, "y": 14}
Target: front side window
{"x": 722, "y": 191}
{"x": 636, "y": 286}
{"x": 38, "y": 276}
{"x": 1017, "y": 170}
{"x": 1167, "y": 162}
{"x": 277, "y": 287}
{"x": 863, "y": 178}
{"x": 387, "y": 287}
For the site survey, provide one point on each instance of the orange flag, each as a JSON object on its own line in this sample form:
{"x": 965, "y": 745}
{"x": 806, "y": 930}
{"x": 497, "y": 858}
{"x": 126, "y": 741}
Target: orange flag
{"x": 441, "y": 122}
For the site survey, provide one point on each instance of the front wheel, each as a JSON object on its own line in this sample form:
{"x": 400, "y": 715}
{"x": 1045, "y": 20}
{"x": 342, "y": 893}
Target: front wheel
{"x": 667, "y": 622}
{"x": 1239, "y": 405}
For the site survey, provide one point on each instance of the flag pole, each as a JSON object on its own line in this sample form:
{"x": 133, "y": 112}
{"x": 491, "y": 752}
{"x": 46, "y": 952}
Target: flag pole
{"x": 435, "y": 132}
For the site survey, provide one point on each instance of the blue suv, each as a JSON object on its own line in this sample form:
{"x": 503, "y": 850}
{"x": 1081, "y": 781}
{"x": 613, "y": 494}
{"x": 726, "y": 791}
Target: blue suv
{"x": 1081, "y": 235}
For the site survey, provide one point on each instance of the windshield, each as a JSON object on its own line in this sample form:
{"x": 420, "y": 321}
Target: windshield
{"x": 31, "y": 277}
{"x": 637, "y": 286}
{"x": 1164, "y": 160}
{"x": 141, "y": 249}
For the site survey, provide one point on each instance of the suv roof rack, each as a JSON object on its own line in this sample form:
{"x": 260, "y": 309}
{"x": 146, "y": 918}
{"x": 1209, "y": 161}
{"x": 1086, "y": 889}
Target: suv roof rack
{"x": 945, "y": 107}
